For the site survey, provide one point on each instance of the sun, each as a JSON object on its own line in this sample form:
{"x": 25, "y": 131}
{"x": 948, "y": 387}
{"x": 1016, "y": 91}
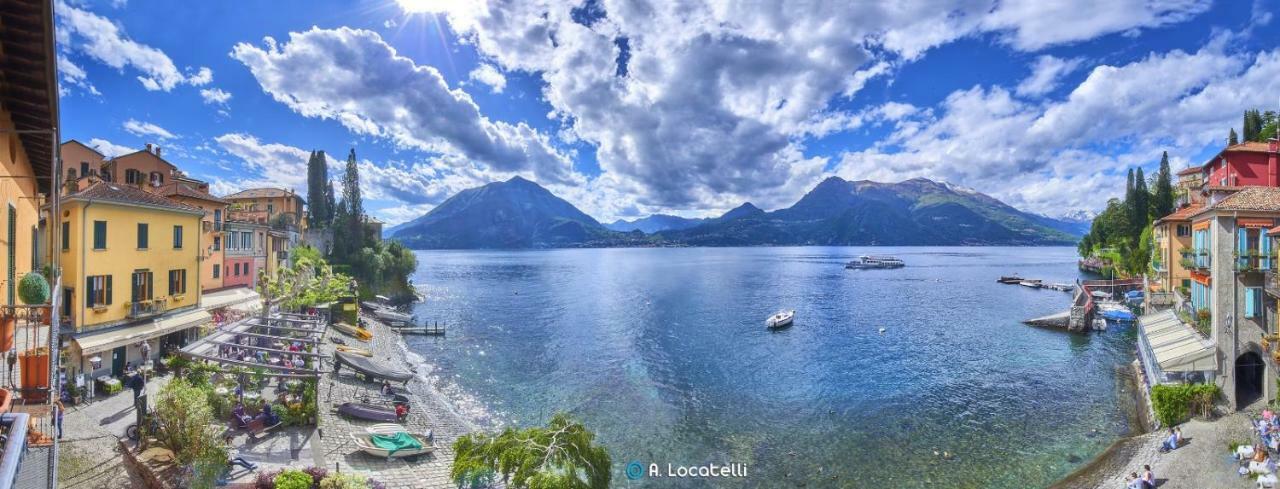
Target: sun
{"x": 425, "y": 6}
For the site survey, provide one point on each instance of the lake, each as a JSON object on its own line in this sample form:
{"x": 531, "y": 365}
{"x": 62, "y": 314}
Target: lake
{"x": 664, "y": 354}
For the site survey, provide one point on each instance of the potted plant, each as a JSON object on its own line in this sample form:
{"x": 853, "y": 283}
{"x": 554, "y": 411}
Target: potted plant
{"x": 33, "y": 289}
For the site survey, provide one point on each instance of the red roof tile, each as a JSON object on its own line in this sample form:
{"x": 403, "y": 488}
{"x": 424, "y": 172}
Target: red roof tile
{"x": 128, "y": 194}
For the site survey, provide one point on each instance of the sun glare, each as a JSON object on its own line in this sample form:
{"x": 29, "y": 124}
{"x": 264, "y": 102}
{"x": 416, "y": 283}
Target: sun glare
{"x": 425, "y": 6}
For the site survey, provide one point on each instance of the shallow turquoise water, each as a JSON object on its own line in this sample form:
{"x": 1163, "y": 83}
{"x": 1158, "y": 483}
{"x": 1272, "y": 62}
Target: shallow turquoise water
{"x": 663, "y": 353}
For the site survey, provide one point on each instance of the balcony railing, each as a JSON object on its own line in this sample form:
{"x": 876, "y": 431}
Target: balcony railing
{"x": 1201, "y": 259}
{"x": 1252, "y": 261}
{"x": 147, "y": 308}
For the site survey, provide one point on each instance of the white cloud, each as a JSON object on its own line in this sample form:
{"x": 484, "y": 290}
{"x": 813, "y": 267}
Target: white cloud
{"x": 1068, "y": 153}
{"x": 1046, "y": 74}
{"x": 265, "y": 164}
{"x": 488, "y": 75}
{"x": 354, "y": 77}
{"x": 215, "y": 96}
{"x": 147, "y": 129}
{"x": 73, "y": 74}
{"x": 712, "y": 103}
{"x": 98, "y": 38}
{"x": 389, "y": 24}
{"x": 110, "y": 149}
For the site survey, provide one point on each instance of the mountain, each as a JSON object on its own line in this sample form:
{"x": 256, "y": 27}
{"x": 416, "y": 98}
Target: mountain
{"x": 654, "y": 223}
{"x": 913, "y": 212}
{"x": 1077, "y": 222}
{"x": 521, "y": 214}
{"x": 516, "y": 213}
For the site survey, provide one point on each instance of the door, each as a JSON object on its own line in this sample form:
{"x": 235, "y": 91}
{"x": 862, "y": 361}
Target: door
{"x": 117, "y": 361}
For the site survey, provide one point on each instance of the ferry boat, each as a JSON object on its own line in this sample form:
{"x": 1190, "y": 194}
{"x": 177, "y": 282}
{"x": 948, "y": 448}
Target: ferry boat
{"x": 866, "y": 262}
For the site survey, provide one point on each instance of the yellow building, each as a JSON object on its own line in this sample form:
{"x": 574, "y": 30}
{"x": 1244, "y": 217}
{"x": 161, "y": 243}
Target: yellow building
{"x": 1172, "y": 251}
{"x": 130, "y": 260}
{"x": 266, "y": 205}
{"x": 211, "y": 250}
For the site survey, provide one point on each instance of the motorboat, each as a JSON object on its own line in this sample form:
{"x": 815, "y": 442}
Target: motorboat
{"x": 1099, "y": 324}
{"x": 1010, "y": 279}
{"x": 868, "y": 262}
{"x": 1035, "y": 284}
{"x": 369, "y": 412}
{"x": 401, "y": 444}
{"x": 367, "y": 367}
{"x": 780, "y": 320}
{"x": 391, "y": 315}
{"x": 1119, "y": 316}
{"x": 353, "y": 331}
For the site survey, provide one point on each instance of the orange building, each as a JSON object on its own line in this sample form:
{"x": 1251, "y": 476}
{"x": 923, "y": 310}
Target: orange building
{"x": 144, "y": 168}
{"x": 80, "y": 159}
{"x": 265, "y": 205}
{"x": 211, "y": 246}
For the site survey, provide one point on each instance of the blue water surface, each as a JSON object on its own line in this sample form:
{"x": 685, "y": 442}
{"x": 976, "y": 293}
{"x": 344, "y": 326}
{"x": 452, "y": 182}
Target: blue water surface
{"x": 664, "y": 354}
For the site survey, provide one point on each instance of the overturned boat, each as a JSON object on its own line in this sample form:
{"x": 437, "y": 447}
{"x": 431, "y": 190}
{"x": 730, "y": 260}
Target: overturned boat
{"x": 370, "y": 369}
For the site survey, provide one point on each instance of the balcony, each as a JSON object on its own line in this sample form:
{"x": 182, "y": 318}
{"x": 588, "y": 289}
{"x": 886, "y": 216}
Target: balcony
{"x": 1252, "y": 261}
{"x": 1201, "y": 259}
{"x": 147, "y": 308}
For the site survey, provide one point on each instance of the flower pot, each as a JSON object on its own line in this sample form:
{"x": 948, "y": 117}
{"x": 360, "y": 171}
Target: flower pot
{"x": 8, "y": 326}
{"x": 35, "y": 369}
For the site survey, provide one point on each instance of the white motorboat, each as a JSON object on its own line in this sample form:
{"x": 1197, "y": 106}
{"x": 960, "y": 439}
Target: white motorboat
{"x": 1100, "y": 324}
{"x": 867, "y": 262}
{"x": 391, "y": 315}
{"x": 1035, "y": 284}
{"x": 780, "y": 320}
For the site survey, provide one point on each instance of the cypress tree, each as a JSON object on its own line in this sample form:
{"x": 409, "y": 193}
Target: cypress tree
{"x": 330, "y": 206}
{"x": 1141, "y": 205}
{"x": 349, "y": 233}
{"x": 1130, "y": 206}
{"x": 318, "y": 211}
{"x": 1162, "y": 204}
{"x": 1232, "y": 140}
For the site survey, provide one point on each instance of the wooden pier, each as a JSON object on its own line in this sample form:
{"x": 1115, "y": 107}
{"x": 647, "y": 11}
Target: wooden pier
{"x": 433, "y": 329}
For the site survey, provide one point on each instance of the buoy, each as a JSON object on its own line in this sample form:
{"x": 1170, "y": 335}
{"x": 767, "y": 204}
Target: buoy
{"x": 881, "y": 330}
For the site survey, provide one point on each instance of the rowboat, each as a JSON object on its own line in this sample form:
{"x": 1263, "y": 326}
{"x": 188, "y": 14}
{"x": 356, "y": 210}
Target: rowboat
{"x": 356, "y": 351}
{"x": 780, "y": 320}
{"x": 390, "y": 429}
{"x": 418, "y": 445}
{"x": 353, "y": 331}
{"x": 389, "y": 315}
{"x": 368, "y": 411}
{"x": 367, "y": 367}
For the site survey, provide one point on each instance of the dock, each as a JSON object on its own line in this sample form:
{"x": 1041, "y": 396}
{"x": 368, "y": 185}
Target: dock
{"x": 434, "y": 329}
{"x": 1059, "y": 320}
{"x": 1035, "y": 283}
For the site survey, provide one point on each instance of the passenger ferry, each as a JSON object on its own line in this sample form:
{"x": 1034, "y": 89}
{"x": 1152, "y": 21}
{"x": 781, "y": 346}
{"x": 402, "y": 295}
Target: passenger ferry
{"x": 866, "y": 262}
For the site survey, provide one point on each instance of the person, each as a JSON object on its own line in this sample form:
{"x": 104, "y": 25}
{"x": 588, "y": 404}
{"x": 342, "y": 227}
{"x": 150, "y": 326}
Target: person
{"x": 1171, "y": 442}
{"x": 57, "y": 416}
{"x": 402, "y": 411}
{"x": 1178, "y": 434}
{"x": 386, "y": 388}
{"x": 238, "y": 412}
{"x": 138, "y": 384}
{"x": 1267, "y": 415}
{"x": 268, "y": 417}
{"x": 146, "y": 352}
{"x": 1132, "y": 481}
{"x": 233, "y": 456}
{"x": 1148, "y": 477}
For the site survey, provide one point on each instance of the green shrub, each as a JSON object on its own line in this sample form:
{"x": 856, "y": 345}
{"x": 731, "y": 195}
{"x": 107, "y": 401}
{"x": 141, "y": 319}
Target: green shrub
{"x": 1173, "y": 404}
{"x": 293, "y": 479}
{"x": 33, "y": 289}
{"x": 344, "y": 481}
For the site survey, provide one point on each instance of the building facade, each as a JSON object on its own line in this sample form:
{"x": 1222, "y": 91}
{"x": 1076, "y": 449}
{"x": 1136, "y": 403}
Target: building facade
{"x": 211, "y": 232}
{"x": 1173, "y": 254}
{"x": 245, "y": 253}
{"x": 282, "y": 209}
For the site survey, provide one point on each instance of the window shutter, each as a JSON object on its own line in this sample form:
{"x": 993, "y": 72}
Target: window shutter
{"x": 108, "y": 294}
{"x": 151, "y": 291}
{"x": 88, "y": 292}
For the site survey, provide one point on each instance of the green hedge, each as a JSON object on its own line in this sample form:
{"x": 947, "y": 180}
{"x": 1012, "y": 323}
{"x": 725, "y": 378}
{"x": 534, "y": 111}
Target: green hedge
{"x": 1173, "y": 403}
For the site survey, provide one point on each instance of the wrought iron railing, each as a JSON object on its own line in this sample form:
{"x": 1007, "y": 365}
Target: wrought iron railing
{"x": 147, "y": 308}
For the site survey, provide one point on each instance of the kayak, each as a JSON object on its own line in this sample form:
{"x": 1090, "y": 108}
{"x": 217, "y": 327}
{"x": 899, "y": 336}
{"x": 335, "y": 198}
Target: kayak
{"x": 358, "y": 351}
{"x": 353, "y": 331}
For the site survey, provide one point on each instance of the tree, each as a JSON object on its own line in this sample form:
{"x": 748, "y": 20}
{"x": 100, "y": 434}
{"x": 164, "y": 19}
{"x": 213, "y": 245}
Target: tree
{"x": 349, "y": 235}
{"x": 319, "y": 214}
{"x": 1162, "y": 203}
{"x": 1254, "y": 121}
{"x": 1141, "y": 218}
{"x": 1232, "y": 140}
{"x": 562, "y": 455}
{"x": 330, "y": 206}
{"x": 186, "y": 426}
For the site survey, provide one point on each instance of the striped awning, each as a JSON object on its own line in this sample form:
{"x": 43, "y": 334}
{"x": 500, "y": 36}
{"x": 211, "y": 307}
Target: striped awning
{"x": 1175, "y": 345}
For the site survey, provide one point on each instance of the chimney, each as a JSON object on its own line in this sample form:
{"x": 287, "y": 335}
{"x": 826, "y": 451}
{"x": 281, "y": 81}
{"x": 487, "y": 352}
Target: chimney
{"x": 149, "y": 148}
{"x": 157, "y": 150}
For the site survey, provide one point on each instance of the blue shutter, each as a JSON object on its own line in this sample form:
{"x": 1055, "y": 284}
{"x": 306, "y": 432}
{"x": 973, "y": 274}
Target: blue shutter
{"x": 1264, "y": 249}
{"x": 1249, "y": 293}
{"x": 1242, "y": 248}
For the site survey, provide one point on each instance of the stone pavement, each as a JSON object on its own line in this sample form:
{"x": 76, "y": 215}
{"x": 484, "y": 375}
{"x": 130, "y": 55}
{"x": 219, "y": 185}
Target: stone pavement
{"x": 89, "y": 456}
{"x": 429, "y": 411}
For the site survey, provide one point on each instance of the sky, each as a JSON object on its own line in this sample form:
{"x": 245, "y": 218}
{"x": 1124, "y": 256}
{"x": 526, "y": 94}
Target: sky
{"x": 631, "y": 107}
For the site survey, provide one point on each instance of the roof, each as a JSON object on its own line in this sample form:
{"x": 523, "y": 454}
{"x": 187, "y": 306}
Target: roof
{"x": 185, "y": 190}
{"x": 1191, "y": 170}
{"x": 1182, "y": 214}
{"x": 262, "y": 193}
{"x": 129, "y": 195}
{"x": 1260, "y": 199}
{"x": 1175, "y": 346}
{"x": 1245, "y": 147}
{"x": 85, "y": 146}
{"x": 28, "y": 87}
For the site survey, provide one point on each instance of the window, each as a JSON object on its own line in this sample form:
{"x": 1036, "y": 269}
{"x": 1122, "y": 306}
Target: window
{"x": 66, "y": 235}
{"x": 177, "y": 237}
{"x": 142, "y": 286}
{"x": 143, "y": 234}
{"x": 97, "y": 291}
{"x": 217, "y": 270}
{"x": 1184, "y": 230}
{"x": 84, "y": 168}
{"x": 132, "y": 176}
{"x": 271, "y": 208}
{"x": 1186, "y": 282}
{"x": 246, "y": 241}
{"x": 177, "y": 282}
{"x": 237, "y": 270}
{"x": 217, "y": 243}
{"x": 99, "y": 235}
{"x": 1252, "y": 302}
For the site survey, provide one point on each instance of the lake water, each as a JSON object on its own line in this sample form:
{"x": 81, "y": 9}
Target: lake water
{"x": 664, "y": 354}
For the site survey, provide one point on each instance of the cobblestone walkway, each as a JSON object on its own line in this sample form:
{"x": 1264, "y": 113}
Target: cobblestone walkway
{"x": 89, "y": 455}
{"x": 428, "y": 413}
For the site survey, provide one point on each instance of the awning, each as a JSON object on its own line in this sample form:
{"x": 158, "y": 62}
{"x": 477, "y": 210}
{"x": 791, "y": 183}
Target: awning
{"x": 1175, "y": 345}
{"x": 229, "y": 297}
{"x": 106, "y": 340}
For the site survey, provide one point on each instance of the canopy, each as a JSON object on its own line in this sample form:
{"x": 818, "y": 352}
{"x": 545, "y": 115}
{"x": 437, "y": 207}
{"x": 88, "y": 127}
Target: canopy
{"x": 1175, "y": 346}
{"x": 106, "y": 340}
{"x": 229, "y": 297}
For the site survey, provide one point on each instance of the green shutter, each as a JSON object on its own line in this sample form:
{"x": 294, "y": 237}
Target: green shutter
{"x": 108, "y": 294}
{"x": 88, "y": 292}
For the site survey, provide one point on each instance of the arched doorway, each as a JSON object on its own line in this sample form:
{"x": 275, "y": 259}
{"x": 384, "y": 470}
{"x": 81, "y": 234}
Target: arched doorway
{"x": 1250, "y": 372}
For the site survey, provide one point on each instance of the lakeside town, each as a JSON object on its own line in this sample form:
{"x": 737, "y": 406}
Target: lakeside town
{"x": 268, "y": 331}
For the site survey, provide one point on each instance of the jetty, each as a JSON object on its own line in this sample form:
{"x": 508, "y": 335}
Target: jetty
{"x": 1035, "y": 283}
{"x": 433, "y": 329}
{"x": 1084, "y": 307}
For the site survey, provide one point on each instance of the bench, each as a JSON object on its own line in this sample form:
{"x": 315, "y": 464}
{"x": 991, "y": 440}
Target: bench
{"x": 257, "y": 427}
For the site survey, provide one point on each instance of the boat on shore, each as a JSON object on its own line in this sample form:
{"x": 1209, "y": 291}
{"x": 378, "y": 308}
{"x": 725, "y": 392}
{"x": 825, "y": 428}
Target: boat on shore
{"x": 402, "y": 444}
{"x": 370, "y": 412}
{"x": 780, "y": 320}
{"x": 370, "y": 369}
{"x": 353, "y": 331}
{"x": 868, "y": 262}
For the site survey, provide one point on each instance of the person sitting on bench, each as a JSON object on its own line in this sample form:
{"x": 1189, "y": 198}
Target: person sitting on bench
{"x": 241, "y": 417}
{"x": 268, "y": 418}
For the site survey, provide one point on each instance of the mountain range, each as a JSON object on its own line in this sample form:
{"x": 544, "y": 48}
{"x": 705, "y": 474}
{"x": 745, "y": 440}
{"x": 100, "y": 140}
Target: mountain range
{"x": 519, "y": 213}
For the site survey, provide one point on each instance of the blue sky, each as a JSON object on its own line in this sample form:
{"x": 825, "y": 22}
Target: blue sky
{"x": 1043, "y": 104}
